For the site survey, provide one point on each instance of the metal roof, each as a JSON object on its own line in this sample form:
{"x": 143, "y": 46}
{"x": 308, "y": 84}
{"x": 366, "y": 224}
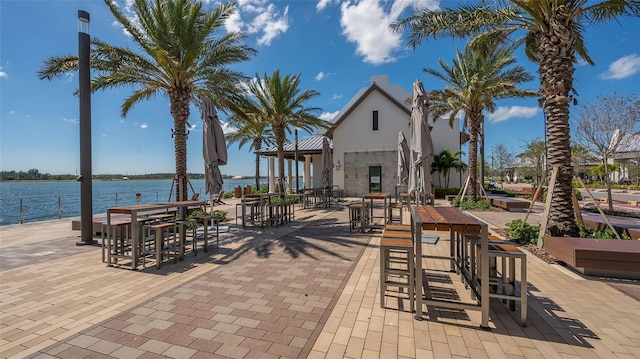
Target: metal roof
{"x": 306, "y": 146}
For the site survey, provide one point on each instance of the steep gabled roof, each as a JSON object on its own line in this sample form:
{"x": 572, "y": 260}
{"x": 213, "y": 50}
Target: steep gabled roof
{"x": 357, "y": 100}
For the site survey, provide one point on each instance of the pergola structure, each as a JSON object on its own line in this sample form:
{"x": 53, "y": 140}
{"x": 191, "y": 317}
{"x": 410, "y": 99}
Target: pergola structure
{"x": 309, "y": 151}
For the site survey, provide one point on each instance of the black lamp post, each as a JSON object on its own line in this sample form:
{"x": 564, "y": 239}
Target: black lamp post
{"x": 295, "y": 132}
{"x": 84, "y": 94}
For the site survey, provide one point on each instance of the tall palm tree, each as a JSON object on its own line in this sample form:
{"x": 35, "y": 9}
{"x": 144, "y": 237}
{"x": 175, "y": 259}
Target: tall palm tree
{"x": 281, "y": 103}
{"x": 473, "y": 83}
{"x": 180, "y": 55}
{"x": 250, "y": 128}
{"x": 553, "y": 33}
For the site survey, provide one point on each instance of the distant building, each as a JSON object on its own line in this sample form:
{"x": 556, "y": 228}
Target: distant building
{"x": 627, "y": 157}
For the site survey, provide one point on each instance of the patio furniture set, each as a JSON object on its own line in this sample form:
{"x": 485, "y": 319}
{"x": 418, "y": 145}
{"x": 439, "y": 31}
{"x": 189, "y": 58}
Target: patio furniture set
{"x": 487, "y": 265}
{"x": 155, "y": 233}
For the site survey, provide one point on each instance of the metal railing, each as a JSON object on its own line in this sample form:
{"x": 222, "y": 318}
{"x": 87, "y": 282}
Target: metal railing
{"x": 18, "y": 210}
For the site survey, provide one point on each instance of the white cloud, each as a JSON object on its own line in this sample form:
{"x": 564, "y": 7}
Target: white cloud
{"x": 622, "y": 67}
{"x": 3, "y": 75}
{"x": 320, "y": 76}
{"x": 503, "y": 113}
{"x": 328, "y": 116}
{"x": 337, "y": 96}
{"x": 234, "y": 22}
{"x": 323, "y": 4}
{"x": 227, "y": 128}
{"x": 12, "y": 112}
{"x": 143, "y": 125}
{"x": 366, "y": 24}
{"x": 73, "y": 121}
{"x": 261, "y": 18}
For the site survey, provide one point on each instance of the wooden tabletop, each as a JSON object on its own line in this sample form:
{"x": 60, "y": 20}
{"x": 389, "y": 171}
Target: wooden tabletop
{"x": 446, "y": 218}
{"x": 376, "y": 195}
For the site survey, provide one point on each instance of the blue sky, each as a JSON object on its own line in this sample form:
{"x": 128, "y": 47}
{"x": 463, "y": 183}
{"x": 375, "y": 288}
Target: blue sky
{"x": 336, "y": 46}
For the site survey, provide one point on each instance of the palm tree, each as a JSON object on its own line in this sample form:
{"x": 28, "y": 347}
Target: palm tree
{"x": 553, "y": 33}
{"x": 180, "y": 57}
{"x": 473, "y": 83}
{"x": 250, "y": 128}
{"x": 445, "y": 161}
{"x": 282, "y": 105}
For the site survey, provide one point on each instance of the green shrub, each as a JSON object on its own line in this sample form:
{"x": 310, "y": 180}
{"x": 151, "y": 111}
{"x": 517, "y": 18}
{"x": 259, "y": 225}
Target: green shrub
{"x": 523, "y": 232}
{"x": 222, "y": 215}
{"x": 441, "y": 192}
{"x": 481, "y": 204}
{"x": 606, "y": 233}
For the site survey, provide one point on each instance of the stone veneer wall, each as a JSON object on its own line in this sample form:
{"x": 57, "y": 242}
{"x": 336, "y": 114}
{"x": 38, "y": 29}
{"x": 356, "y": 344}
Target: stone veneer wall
{"x": 356, "y": 171}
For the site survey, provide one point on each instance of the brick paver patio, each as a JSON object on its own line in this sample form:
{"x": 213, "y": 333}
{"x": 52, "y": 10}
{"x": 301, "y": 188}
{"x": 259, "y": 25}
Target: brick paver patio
{"x": 306, "y": 289}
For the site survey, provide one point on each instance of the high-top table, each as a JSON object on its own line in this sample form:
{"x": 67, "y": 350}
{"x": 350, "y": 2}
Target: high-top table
{"x": 452, "y": 220}
{"x": 379, "y": 196}
{"x": 136, "y": 225}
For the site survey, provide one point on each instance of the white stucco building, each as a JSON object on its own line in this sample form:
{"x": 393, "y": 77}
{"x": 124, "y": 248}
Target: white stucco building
{"x": 365, "y": 142}
{"x": 365, "y": 138}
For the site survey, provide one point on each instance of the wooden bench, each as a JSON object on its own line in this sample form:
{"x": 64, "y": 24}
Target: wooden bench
{"x": 509, "y": 204}
{"x": 450, "y": 197}
{"x": 528, "y": 191}
{"x": 607, "y": 257}
{"x": 627, "y": 228}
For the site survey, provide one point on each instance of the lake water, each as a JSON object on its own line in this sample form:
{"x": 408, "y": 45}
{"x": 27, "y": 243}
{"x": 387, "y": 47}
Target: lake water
{"x": 43, "y": 200}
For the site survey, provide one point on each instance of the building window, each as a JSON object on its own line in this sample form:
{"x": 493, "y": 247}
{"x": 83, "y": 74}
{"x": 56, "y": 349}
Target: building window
{"x": 375, "y": 120}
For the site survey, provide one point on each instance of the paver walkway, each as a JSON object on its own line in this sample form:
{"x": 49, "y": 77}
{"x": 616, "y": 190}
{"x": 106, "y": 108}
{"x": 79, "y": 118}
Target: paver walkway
{"x": 306, "y": 289}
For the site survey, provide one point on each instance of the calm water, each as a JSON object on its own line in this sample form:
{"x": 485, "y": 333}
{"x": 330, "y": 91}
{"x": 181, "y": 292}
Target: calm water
{"x": 42, "y": 200}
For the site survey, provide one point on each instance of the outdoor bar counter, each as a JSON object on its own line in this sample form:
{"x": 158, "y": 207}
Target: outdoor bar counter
{"x": 456, "y": 222}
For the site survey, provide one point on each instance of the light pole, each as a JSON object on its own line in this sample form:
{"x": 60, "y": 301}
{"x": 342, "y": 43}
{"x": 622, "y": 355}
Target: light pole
{"x": 84, "y": 95}
{"x": 295, "y": 133}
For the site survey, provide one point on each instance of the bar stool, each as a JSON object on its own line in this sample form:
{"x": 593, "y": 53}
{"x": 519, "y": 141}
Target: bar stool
{"x": 118, "y": 243}
{"x": 358, "y": 216}
{"x": 186, "y": 229}
{"x": 508, "y": 255}
{"x": 207, "y": 224}
{"x": 392, "y": 208}
{"x": 160, "y": 239}
{"x": 468, "y": 249}
{"x": 398, "y": 227}
{"x": 397, "y": 264}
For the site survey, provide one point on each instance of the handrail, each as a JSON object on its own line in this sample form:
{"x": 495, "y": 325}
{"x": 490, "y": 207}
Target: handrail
{"x": 73, "y": 202}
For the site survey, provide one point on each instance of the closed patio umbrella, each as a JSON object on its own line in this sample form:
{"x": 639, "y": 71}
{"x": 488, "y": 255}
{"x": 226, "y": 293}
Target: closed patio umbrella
{"x": 421, "y": 144}
{"x": 214, "y": 148}
{"x": 327, "y": 162}
{"x": 403, "y": 159}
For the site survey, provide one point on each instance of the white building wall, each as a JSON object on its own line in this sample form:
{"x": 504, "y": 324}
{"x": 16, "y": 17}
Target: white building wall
{"x": 355, "y": 134}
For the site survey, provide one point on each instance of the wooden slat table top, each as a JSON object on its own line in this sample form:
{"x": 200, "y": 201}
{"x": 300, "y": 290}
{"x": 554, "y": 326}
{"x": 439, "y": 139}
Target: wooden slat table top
{"x": 446, "y": 218}
{"x": 376, "y": 195}
{"x": 129, "y": 209}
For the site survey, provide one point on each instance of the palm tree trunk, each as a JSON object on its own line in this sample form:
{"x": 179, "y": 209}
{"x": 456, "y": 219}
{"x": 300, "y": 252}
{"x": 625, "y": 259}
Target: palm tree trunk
{"x": 474, "y": 130}
{"x": 556, "y": 78}
{"x": 180, "y": 111}
{"x": 279, "y": 134}
{"x": 257, "y": 144}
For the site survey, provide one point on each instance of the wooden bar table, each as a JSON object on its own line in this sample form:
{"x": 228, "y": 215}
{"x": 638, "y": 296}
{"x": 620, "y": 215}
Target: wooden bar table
{"x": 136, "y": 225}
{"x": 456, "y": 222}
{"x": 384, "y": 196}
